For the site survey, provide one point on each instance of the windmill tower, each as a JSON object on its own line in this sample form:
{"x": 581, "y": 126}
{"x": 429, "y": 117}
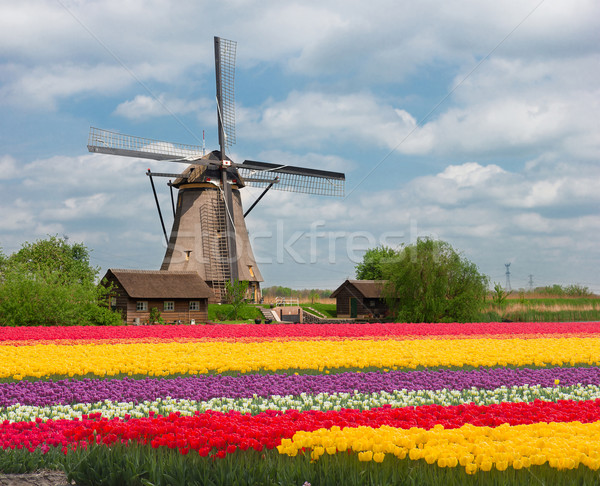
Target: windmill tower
{"x": 209, "y": 233}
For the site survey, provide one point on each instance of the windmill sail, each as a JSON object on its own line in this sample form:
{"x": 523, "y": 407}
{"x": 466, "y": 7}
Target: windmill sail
{"x": 225, "y": 74}
{"x": 107, "y": 142}
{"x": 293, "y": 179}
{"x": 254, "y": 173}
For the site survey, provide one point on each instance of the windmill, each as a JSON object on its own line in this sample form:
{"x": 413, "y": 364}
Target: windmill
{"x": 209, "y": 233}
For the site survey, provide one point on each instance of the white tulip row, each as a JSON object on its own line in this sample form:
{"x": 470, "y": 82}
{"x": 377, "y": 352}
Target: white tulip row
{"x": 321, "y": 401}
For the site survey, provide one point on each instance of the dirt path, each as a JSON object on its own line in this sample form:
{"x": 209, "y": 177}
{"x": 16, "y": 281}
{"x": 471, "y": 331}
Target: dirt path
{"x": 40, "y": 478}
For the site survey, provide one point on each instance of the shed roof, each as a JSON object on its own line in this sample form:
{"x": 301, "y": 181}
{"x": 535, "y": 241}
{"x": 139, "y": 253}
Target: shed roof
{"x": 371, "y": 289}
{"x": 161, "y": 284}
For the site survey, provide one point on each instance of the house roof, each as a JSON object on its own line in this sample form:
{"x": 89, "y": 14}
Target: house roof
{"x": 161, "y": 284}
{"x": 370, "y": 289}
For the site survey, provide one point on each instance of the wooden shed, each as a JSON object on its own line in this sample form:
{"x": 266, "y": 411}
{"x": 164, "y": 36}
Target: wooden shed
{"x": 180, "y": 297}
{"x": 361, "y": 299}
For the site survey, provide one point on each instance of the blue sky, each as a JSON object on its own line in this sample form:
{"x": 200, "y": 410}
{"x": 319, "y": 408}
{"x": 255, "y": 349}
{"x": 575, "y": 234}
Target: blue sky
{"x": 475, "y": 122}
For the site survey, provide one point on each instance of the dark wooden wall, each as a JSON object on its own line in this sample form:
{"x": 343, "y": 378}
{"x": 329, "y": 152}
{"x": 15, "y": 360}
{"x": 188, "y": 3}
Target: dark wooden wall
{"x": 363, "y": 307}
{"x": 128, "y": 306}
{"x": 342, "y": 302}
{"x": 181, "y": 312}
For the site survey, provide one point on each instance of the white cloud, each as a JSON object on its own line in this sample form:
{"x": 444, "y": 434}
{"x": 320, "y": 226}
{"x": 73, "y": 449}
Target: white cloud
{"x": 532, "y": 222}
{"x": 8, "y": 167}
{"x": 143, "y": 106}
{"x": 15, "y": 218}
{"x": 512, "y": 110}
{"x": 40, "y": 88}
{"x": 511, "y": 105}
{"x": 315, "y": 118}
{"x": 77, "y": 208}
{"x": 77, "y": 195}
{"x": 543, "y": 193}
{"x": 470, "y": 174}
{"x": 474, "y": 216}
{"x": 500, "y": 126}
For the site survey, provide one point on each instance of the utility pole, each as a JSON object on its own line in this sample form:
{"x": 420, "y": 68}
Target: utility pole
{"x": 507, "y": 286}
{"x": 530, "y": 282}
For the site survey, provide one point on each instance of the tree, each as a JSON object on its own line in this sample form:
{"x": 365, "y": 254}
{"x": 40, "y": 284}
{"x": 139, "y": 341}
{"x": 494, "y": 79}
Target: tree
{"x": 55, "y": 256}
{"x": 431, "y": 282}
{"x": 51, "y": 282}
{"x": 375, "y": 260}
{"x": 499, "y": 294}
{"x": 235, "y": 294}
{"x": 155, "y": 317}
{"x": 314, "y": 296}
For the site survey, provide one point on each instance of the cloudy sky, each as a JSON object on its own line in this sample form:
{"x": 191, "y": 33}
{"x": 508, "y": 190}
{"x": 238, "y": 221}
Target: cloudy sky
{"x": 475, "y": 122}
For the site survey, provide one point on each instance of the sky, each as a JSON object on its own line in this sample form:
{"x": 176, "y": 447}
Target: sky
{"x": 474, "y": 122}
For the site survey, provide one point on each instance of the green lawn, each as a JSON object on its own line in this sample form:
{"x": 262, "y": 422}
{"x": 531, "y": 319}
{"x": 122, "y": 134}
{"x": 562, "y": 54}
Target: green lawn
{"x": 326, "y": 309}
{"x": 223, "y": 312}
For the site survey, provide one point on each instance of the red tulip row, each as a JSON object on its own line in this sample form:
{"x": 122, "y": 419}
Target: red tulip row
{"x": 222, "y": 433}
{"x": 78, "y": 335}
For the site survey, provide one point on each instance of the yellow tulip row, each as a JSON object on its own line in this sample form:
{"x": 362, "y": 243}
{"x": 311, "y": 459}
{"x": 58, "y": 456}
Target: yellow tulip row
{"x": 160, "y": 359}
{"x": 561, "y": 445}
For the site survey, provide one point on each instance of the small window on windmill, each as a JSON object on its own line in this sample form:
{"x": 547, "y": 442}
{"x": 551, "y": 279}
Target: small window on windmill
{"x": 251, "y": 270}
{"x": 187, "y": 255}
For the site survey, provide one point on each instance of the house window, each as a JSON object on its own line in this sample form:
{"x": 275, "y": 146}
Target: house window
{"x": 194, "y": 305}
{"x": 169, "y": 305}
{"x": 141, "y": 306}
{"x": 113, "y": 303}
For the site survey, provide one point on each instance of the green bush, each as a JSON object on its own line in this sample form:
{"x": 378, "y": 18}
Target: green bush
{"x": 51, "y": 283}
{"x": 225, "y": 312}
{"x": 572, "y": 290}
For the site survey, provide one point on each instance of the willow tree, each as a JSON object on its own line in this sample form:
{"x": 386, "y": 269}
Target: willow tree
{"x": 429, "y": 281}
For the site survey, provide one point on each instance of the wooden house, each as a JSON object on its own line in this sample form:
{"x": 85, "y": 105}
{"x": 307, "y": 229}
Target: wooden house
{"x": 361, "y": 299}
{"x": 180, "y": 297}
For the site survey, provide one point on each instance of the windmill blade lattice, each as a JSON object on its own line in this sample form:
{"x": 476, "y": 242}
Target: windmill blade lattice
{"x": 292, "y": 179}
{"x": 225, "y": 73}
{"x": 107, "y": 142}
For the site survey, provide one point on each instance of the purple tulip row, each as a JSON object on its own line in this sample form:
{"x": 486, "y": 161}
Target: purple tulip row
{"x": 201, "y": 388}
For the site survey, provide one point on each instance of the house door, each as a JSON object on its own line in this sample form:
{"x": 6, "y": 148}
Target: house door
{"x": 353, "y": 307}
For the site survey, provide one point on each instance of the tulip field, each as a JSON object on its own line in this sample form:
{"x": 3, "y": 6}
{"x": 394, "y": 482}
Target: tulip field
{"x": 482, "y": 403}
